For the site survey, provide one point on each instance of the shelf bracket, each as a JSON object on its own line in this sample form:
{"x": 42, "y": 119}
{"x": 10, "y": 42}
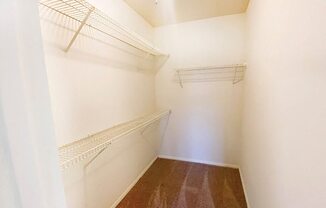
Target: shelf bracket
{"x": 235, "y": 75}
{"x": 97, "y": 154}
{"x": 180, "y": 80}
{"x": 79, "y": 28}
{"x": 151, "y": 124}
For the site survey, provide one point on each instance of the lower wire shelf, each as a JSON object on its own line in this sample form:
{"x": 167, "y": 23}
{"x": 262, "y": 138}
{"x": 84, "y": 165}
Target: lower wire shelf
{"x": 83, "y": 149}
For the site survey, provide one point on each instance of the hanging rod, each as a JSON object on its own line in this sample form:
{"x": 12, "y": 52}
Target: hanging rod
{"x": 87, "y": 15}
{"x": 232, "y": 66}
{"x": 90, "y": 147}
{"x": 234, "y": 73}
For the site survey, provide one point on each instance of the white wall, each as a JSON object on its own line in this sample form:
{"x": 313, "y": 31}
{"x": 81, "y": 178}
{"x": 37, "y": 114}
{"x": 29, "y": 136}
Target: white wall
{"x": 94, "y": 86}
{"x": 205, "y": 120}
{"x": 122, "y": 13}
{"x": 103, "y": 183}
{"x": 29, "y": 171}
{"x": 283, "y": 158}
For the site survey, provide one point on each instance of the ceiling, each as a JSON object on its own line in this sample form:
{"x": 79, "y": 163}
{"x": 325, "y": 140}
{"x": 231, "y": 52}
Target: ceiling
{"x": 175, "y": 11}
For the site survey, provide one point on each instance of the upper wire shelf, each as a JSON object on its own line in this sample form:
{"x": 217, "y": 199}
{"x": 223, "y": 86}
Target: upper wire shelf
{"x": 87, "y": 15}
{"x": 234, "y": 73}
{"x": 90, "y": 147}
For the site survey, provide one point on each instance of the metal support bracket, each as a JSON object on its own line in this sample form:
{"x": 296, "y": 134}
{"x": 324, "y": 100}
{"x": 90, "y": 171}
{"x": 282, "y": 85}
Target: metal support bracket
{"x": 97, "y": 154}
{"x": 235, "y": 75}
{"x": 180, "y": 80}
{"x": 151, "y": 124}
{"x": 79, "y": 29}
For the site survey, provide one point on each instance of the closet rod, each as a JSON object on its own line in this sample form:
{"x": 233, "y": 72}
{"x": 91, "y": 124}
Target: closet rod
{"x": 212, "y": 67}
{"x": 190, "y": 73}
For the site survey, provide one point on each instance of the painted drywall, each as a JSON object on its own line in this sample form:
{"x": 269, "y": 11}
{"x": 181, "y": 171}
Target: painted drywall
{"x": 167, "y": 12}
{"x": 123, "y": 14}
{"x": 205, "y": 121}
{"x": 283, "y": 157}
{"x": 104, "y": 181}
{"x": 30, "y": 175}
{"x": 97, "y": 84}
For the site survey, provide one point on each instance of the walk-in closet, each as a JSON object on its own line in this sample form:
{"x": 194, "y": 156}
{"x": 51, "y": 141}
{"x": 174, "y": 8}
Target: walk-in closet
{"x": 162, "y": 104}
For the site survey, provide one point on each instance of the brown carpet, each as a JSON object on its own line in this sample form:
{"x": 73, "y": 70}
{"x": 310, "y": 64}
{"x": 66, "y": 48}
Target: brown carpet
{"x": 177, "y": 184}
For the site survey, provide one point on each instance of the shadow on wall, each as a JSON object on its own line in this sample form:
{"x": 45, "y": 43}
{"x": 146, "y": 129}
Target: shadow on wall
{"x": 93, "y": 46}
{"x": 114, "y": 170}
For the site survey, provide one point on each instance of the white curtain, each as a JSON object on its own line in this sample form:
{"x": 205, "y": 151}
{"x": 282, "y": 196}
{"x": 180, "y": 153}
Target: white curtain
{"x": 29, "y": 170}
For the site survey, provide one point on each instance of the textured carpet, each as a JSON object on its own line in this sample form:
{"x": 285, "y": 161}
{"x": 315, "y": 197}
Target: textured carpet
{"x": 177, "y": 184}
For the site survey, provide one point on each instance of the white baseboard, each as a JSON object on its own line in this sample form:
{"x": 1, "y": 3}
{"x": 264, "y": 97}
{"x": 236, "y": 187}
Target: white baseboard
{"x": 133, "y": 184}
{"x": 244, "y": 188}
{"x": 199, "y": 161}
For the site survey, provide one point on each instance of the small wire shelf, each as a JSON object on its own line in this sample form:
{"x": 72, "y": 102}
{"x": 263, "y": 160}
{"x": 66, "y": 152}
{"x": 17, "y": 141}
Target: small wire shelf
{"x": 234, "y": 73}
{"x": 89, "y": 16}
{"x": 83, "y": 149}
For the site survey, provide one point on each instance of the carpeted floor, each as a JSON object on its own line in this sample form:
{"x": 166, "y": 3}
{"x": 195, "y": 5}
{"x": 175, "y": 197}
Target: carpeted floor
{"x": 177, "y": 184}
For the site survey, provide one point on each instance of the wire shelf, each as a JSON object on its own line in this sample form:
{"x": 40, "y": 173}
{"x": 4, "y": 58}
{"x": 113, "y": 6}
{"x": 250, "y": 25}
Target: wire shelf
{"x": 89, "y": 16}
{"x": 80, "y": 150}
{"x": 234, "y": 73}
